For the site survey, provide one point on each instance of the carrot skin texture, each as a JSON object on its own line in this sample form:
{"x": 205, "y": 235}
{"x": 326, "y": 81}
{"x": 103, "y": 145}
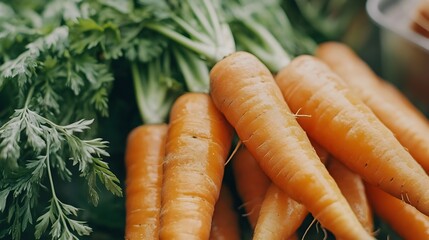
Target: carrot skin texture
{"x": 244, "y": 90}
{"x": 280, "y": 216}
{"x": 353, "y": 189}
{"x": 350, "y": 131}
{"x": 408, "y": 124}
{"x": 405, "y": 219}
{"x": 282, "y": 222}
{"x": 225, "y": 223}
{"x": 251, "y": 183}
{"x": 197, "y": 145}
{"x": 143, "y": 160}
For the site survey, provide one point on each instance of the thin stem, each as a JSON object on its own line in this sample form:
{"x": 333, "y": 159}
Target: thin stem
{"x": 138, "y": 89}
{"x": 54, "y": 195}
{"x": 191, "y": 30}
{"x": 29, "y": 96}
{"x": 193, "y": 69}
{"x": 155, "y": 93}
{"x": 269, "y": 41}
{"x": 48, "y": 166}
{"x": 203, "y": 49}
{"x": 268, "y": 48}
{"x": 214, "y": 20}
{"x": 207, "y": 26}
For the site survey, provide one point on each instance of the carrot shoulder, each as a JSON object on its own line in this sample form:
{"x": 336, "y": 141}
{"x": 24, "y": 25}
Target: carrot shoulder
{"x": 406, "y": 122}
{"x": 143, "y": 161}
{"x": 225, "y": 224}
{"x": 244, "y": 90}
{"x": 404, "y": 219}
{"x": 197, "y": 145}
{"x": 353, "y": 189}
{"x": 251, "y": 183}
{"x": 349, "y": 130}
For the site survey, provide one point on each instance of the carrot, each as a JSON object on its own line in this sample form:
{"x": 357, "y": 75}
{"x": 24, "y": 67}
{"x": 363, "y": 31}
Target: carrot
{"x": 280, "y": 216}
{"x": 407, "y": 123}
{"x": 143, "y": 161}
{"x": 350, "y": 131}
{"x": 404, "y": 219}
{"x": 353, "y": 189}
{"x": 197, "y": 146}
{"x": 320, "y": 151}
{"x": 244, "y": 90}
{"x": 293, "y": 237}
{"x": 251, "y": 183}
{"x": 225, "y": 218}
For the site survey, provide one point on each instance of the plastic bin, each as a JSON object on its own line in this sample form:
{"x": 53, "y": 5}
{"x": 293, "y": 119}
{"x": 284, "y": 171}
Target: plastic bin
{"x": 404, "y": 53}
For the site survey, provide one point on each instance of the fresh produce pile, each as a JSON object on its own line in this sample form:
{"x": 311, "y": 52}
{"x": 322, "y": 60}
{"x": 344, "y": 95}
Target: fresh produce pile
{"x": 198, "y": 119}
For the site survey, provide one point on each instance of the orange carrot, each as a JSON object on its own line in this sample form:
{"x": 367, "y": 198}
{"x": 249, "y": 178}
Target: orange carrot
{"x": 293, "y": 237}
{"x": 350, "y": 131}
{"x": 225, "y": 218}
{"x": 143, "y": 160}
{"x": 280, "y": 216}
{"x": 353, "y": 189}
{"x": 321, "y": 152}
{"x": 198, "y": 142}
{"x": 409, "y": 125}
{"x": 404, "y": 219}
{"x": 244, "y": 90}
{"x": 251, "y": 183}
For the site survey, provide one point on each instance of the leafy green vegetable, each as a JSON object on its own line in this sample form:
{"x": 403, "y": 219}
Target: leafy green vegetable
{"x": 198, "y": 26}
{"x": 58, "y": 63}
{"x": 55, "y": 79}
{"x": 254, "y": 25}
{"x": 155, "y": 88}
{"x": 52, "y": 87}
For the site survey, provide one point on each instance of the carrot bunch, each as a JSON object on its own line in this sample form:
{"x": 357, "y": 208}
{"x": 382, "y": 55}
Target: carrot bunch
{"x": 311, "y": 139}
{"x": 279, "y": 172}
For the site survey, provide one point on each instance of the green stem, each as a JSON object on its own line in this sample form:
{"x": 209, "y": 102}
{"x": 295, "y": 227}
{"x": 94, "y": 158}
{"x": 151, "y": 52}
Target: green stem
{"x": 194, "y": 70}
{"x": 192, "y": 31}
{"x": 138, "y": 89}
{"x": 205, "y": 50}
{"x": 268, "y": 49}
{"x": 202, "y": 18}
{"x": 48, "y": 166}
{"x": 29, "y": 96}
{"x": 54, "y": 194}
{"x": 214, "y": 20}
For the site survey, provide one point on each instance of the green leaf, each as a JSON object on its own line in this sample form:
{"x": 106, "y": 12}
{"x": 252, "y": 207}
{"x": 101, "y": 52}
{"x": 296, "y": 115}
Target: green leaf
{"x": 43, "y": 223}
{"x": 3, "y": 197}
{"x": 125, "y": 6}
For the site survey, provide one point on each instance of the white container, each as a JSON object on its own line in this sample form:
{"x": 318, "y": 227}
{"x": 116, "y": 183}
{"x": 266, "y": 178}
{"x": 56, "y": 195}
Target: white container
{"x": 404, "y": 53}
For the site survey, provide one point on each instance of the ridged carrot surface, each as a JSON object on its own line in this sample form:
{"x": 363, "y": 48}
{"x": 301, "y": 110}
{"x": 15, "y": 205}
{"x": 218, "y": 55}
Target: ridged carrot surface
{"x": 408, "y": 124}
{"x": 244, "y": 90}
{"x": 280, "y": 216}
{"x": 198, "y": 142}
{"x": 341, "y": 122}
{"x": 404, "y": 219}
{"x": 143, "y": 161}
{"x": 282, "y": 222}
{"x": 353, "y": 189}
